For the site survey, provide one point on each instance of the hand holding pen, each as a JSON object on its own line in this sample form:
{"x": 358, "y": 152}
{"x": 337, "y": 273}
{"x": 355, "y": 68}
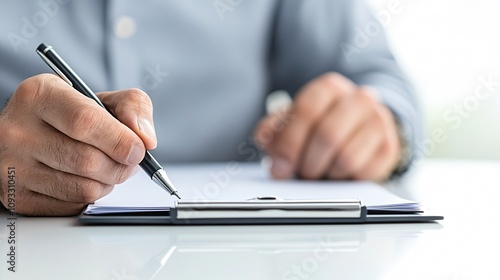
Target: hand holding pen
{"x": 61, "y": 149}
{"x": 148, "y": 163}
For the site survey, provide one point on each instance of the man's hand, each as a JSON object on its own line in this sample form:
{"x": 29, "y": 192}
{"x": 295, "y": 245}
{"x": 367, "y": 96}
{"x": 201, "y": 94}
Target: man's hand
{"x": 333, "y": 130}
{"x": 67, "y": 150}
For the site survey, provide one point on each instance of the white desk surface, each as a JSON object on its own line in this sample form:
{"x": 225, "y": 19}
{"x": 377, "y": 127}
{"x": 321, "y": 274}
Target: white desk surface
{"x": 465, "y": 245}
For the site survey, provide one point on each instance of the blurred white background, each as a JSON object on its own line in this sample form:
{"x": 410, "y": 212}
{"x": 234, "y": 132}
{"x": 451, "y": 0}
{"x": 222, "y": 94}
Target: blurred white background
{"x": 446, "y": 47}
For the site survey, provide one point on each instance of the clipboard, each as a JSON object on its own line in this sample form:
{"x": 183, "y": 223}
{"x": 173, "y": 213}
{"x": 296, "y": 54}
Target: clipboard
{"x": 260, "y": 211}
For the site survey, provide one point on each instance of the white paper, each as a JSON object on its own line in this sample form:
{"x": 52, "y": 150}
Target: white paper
{"x": 238, "y": 181}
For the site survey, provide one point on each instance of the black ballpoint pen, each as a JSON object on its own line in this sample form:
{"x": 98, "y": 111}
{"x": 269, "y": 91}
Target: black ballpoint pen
{"x": 58, "y": 65}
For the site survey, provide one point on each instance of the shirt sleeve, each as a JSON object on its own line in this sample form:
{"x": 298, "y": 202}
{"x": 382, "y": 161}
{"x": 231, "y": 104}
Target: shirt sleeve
{"x": 317, "y": 36}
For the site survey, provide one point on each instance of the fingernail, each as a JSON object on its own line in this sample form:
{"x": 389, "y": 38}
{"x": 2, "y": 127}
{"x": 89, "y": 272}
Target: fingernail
{"x": 136, "y": 155}
{"x": 147, "y": 128}
{"x": 281, "y": 168}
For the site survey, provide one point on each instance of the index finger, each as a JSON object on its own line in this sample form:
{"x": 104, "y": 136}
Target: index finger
{"x": 82, "y": 119}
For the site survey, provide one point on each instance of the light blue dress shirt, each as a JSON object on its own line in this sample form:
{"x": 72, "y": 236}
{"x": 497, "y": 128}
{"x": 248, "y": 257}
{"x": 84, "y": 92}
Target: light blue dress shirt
{"x": 206, "y": 64}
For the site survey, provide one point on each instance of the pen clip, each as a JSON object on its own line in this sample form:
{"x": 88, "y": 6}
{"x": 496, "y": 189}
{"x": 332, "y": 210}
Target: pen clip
{"x": 51, "y": 65}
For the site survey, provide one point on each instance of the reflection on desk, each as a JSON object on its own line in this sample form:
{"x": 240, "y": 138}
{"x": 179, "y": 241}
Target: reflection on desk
{"x": 466, "y": 245}
{"x": 212, "y": 252}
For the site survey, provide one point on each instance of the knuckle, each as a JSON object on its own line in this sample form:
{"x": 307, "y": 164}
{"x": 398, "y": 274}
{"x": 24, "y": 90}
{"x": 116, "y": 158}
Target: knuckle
{"x": 376, "y": 122}
{"x": 82, "y": 121}
{"x": 391, "y": 152}
{"x": 327, "y": 136}
{"x": 30, "y": 90}
{"x": 138, "y": 96}
{"x": 123, "y": 173}
{"x": 6, "y": 184}
{"x": 24, "y": 208}
{"x": 85, "y": 161}
{"x": 386, "y": 115}
{"x": 122, "y": 145}
{"x": 11, "y": 135}
{"x": 365, "y": 97}
{"x": 134, "y": 100}
{"x": 24, "y": 202}
{"x": 381, "y": 121}
{"x": 307, "y": 111}
{"x": 89, "y": 191}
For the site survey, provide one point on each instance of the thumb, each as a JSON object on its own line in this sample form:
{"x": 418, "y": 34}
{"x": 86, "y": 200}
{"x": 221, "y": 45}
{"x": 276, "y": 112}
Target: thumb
{"x": 134, "y": 109}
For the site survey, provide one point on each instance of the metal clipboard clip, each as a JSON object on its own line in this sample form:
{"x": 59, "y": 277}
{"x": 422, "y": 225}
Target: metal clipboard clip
{"x": 268, "y": 208}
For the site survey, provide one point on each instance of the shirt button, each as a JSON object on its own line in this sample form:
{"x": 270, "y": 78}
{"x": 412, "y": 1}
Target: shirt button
{"x": 125, "y": 27}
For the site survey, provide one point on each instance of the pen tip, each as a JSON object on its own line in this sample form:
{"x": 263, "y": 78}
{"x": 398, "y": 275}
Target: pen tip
{"x": 175, "y": 193}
